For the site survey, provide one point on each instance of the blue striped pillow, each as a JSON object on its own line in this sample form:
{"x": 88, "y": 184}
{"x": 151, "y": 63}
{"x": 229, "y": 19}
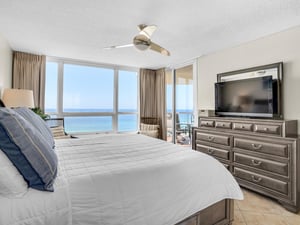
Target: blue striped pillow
{"x": 28, "y": 150}
{"x": 38, "y": 123}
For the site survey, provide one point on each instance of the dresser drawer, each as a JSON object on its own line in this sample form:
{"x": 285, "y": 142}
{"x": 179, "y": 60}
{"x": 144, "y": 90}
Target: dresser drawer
{"x": 223, "y": 124}
{"x": 214, "y": 138}
{"x": 220, "y": 153}
{"x": 207, "y": 123}
{"x": 263, "y": 147}
{"x": 261, "y": 180}
{"x": 267, "y": 129}
{"x": 264, "y": 164}
{"x": 242, "y": 126}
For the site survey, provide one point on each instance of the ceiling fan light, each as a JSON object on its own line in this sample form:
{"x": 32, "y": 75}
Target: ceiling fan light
{"x": 142, "y": 47}
{"x": 141, "y": 42}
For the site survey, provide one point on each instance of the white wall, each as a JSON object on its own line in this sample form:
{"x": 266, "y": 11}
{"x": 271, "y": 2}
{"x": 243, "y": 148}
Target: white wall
{"x": 5, "y": 65}
{"x": 280, "y": 47}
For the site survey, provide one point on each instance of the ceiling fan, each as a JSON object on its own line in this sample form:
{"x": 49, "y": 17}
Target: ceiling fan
{"x": 143, "y": 42}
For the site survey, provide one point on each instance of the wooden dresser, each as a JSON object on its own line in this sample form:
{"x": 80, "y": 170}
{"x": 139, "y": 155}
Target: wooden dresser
{"x": 263, "y": 155}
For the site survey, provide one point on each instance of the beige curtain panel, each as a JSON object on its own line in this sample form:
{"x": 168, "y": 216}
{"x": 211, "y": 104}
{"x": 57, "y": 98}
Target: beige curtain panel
{"x": 29, "y": 73}
{"x": 152, "y": 97}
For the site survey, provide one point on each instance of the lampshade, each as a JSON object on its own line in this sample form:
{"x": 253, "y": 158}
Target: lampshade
{"x": 18, "y": 98}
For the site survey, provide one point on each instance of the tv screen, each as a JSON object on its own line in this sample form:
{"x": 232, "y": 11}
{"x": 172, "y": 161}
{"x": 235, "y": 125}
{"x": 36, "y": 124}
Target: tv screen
{"x": 254, "y": 97}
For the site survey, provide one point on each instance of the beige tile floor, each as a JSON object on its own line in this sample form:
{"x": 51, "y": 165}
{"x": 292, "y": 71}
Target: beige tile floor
{"x": 257, "y": 209}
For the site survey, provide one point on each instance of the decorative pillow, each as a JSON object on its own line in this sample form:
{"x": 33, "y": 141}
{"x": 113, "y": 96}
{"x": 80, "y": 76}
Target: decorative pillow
{"x": 149, "y": 126}
{"x": 59, "y": 132}
{"x": 12, "y": 184}
{"x": 37, "y": 122}
{"x": 150, "y": 133}
{"x": 28, "y": 150}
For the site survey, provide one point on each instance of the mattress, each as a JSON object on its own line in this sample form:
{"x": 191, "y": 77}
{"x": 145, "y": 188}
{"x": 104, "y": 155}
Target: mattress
{"x": 138, "y": 180}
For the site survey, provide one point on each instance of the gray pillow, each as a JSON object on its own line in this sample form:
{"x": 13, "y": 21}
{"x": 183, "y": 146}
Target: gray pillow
{"x": 38, "y": 123}
{"x": 25, "y": 140}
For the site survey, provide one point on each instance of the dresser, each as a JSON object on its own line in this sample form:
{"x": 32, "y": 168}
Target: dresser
{"x": 263, "y": 155}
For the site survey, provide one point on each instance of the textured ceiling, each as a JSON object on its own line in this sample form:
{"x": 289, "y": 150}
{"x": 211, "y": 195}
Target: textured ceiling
{"x": 80, "y": 29}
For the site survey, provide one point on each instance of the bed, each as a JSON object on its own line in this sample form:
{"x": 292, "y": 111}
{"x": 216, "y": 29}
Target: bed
{"x": 127, "y": 179}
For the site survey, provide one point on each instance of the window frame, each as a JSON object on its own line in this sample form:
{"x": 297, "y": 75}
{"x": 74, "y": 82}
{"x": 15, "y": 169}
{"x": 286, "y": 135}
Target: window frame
{"x": 115, "y": 113}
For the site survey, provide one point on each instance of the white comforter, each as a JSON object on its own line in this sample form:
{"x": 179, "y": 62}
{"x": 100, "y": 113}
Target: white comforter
{"x": 38, "y": 207}
{"x": 137, "y": 180}
{"x": 123, "y": 179}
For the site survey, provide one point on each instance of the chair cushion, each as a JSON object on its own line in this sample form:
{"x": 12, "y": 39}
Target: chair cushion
{"x": 151, "y": 130}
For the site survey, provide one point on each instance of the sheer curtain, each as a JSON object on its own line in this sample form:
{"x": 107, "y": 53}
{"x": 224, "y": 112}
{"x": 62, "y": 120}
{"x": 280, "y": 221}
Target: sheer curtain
{"x": 29, "y": 73}
{"x": 152, "y": 96}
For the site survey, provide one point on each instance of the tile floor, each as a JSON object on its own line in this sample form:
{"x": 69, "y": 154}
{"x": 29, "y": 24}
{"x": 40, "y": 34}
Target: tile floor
{"x": 257, "y": 209}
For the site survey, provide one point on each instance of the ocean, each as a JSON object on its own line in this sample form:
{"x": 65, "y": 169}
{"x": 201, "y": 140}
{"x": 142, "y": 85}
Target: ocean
{"x": 94, "y": 124}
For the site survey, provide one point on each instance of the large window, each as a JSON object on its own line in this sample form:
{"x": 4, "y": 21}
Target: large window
{"x": 51, "y": 87}
{"x": 92, "y": 98}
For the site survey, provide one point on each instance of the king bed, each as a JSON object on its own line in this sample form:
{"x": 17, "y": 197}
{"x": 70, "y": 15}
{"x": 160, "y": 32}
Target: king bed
{"x": 126, "y": 179}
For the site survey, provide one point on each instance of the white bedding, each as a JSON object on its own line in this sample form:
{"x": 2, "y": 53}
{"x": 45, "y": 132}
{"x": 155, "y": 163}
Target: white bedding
{"x": 137, "y": 180}
{"x": 38, "y": 207}
{"x": 123, "y": 179}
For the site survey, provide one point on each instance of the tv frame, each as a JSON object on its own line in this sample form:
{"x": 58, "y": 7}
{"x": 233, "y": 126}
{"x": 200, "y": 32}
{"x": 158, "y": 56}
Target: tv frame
{"x": 275, "y": 69}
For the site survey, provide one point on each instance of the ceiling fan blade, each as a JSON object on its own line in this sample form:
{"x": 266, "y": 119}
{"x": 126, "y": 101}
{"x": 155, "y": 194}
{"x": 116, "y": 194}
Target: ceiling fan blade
{"x": 118, "y": 46}
{"x": 157, "y": 48}
{"x": 147, "y": 30}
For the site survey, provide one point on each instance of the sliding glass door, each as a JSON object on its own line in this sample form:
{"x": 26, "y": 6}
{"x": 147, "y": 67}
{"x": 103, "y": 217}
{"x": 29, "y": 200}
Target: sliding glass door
{"x": 180, "y": 104}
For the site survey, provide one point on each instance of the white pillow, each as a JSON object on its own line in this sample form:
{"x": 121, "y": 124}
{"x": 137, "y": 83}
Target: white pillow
{"x": 12, "y": 183}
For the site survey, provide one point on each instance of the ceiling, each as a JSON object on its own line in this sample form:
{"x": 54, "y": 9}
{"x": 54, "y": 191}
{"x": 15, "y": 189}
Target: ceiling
{"x": 81, "y": 29}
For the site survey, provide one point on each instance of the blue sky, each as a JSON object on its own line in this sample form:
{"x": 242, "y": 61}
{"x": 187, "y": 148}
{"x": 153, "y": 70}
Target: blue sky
{"x": 92, "y": 87}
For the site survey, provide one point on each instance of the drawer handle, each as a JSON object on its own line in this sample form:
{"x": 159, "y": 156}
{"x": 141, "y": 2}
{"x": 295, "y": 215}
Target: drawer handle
{"x": 211, "y": 151}
{"x": 257, "y": 180}
{"x": 256, "y": 146}
{"x": 266, "y": 129}
{"x": 255, "y": 162}
{"x": 242, "y": 127}
{"x": 211, "y": 138}
{"x": 206, "y": 123}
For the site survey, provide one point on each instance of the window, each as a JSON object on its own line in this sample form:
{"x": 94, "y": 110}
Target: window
{"x": 127, "y": 101}
{"x": 92, "y": 98}
{"x": 88, "y": 89}
{"x": 51, "y": 87}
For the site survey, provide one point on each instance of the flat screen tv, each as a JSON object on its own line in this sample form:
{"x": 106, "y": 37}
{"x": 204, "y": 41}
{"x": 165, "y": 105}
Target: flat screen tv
{"x": 252, "y": 97}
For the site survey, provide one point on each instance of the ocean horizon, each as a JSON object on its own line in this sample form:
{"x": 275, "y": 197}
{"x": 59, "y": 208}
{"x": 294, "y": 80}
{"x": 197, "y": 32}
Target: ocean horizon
{"x": 126, "y": 122}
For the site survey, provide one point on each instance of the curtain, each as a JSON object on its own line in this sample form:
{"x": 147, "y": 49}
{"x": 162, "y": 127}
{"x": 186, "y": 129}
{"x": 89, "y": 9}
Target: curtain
{"x": 152, "y": 96}
{"x": 147, "y": 93}
{"x": 29, "y": 73}
{"x": 161, "y": 101}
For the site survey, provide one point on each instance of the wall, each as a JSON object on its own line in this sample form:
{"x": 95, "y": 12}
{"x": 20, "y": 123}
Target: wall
{"x": 5, "y": 64}
{"x": 280, "y": 47}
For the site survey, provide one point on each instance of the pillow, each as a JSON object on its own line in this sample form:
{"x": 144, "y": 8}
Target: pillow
{"x": 28, "y": 150}
{"x": 151, "y": 130}
{"x": 144, "y": 126}
{"x": 59, "y": 132}
{"x": 150, "y": 133}
{"x": 12, "y": 184}
{"x": 37, "y": 122}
